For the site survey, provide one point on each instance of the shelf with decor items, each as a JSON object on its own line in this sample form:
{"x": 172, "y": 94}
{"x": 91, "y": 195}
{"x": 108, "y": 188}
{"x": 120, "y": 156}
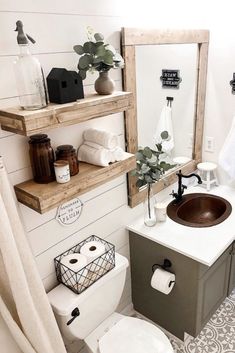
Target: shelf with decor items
{"x": 27, "y": 123}
{"x": 43, "y": 197}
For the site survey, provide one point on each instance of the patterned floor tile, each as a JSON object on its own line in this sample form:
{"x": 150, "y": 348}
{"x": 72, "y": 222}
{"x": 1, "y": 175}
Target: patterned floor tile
{"x": 218, "y": 336}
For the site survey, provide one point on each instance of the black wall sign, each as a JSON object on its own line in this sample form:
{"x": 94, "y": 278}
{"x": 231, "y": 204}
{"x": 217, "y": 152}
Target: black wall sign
{"x": 170, "y": 78}
{"x": 232, "y": 83}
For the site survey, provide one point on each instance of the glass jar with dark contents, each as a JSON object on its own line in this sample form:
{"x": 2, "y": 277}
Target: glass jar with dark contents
{"x": 41, "y": 158}
{"x": 68, "y": 153}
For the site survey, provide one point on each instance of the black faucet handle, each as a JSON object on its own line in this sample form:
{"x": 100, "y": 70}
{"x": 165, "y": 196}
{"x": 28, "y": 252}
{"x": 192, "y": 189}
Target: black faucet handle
{"x": 184, "y": 187}
{"x": 174, "y": 194}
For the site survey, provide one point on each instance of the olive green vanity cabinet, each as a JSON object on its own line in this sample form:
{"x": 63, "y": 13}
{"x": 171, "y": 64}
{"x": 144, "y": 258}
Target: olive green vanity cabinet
{"x": 197, "y": 293}
{"x": 232, "y": 270}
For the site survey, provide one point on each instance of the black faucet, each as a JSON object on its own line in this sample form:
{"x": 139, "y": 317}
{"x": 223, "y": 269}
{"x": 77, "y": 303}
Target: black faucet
{"x": 181, "y": 187}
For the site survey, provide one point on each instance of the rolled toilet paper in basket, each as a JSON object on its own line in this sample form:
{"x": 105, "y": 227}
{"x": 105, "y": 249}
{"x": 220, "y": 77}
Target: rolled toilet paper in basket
{"x": 163, "y": 281}
{"x": 74, "y": 262}
{"x": 92, "y": 250}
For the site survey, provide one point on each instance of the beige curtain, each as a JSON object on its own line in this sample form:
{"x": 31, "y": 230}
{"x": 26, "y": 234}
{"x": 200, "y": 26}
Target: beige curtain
{"x": 23, "y": 302}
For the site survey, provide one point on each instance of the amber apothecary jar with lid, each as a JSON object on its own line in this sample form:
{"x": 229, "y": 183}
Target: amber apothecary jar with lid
{"x": 41, "y": 158}
{"x": 68, "y": 153}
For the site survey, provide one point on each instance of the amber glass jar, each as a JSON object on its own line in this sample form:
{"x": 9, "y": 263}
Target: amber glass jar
{"x": 68, "y": 153}
{"x": 41, "y": 158}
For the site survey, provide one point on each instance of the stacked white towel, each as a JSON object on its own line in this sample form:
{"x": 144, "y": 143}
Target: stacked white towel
{"x": 101, "y": 137}
{"x": 100, "y": 148}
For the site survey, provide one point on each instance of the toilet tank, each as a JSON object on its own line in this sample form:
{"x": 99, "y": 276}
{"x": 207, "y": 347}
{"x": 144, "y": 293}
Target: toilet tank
{"x": 95, "y": 304}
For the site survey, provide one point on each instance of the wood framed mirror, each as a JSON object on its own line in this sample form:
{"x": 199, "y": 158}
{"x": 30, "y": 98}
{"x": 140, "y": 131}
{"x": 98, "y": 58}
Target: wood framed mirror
{"x": 132, "y": 39}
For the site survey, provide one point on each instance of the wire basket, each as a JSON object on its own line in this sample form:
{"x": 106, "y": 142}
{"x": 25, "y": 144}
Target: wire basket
{"x": 86, "y": 276}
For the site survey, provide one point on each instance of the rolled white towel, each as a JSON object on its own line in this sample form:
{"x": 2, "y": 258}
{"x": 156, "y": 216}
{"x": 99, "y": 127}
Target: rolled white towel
{"x": 88, "y": 154}
{"x": 117, "y": 154}
{"x": 101, "y": 137}
{"x": 93, "y": 145}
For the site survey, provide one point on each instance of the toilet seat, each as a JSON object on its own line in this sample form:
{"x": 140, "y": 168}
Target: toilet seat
{"x": 134, "y": 335}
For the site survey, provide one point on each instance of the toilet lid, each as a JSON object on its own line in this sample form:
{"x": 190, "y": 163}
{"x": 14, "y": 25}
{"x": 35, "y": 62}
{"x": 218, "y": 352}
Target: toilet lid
{"x": 134, "y": 336}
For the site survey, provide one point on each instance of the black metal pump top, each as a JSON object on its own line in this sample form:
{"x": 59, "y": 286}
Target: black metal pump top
{"x": 21, "y": 37}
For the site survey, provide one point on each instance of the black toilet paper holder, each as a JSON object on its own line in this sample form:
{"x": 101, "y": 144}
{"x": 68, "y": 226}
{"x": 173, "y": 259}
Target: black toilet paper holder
{"x": 165, "y": 266}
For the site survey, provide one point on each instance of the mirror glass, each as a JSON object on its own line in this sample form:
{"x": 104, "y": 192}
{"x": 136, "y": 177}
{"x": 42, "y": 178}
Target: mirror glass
{"x": 156, "y": 113}
{"x": 153, "y": 57}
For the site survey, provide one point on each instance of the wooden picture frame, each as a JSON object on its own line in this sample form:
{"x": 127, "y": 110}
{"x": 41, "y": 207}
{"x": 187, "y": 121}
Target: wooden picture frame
{"x": 131, "y": 37}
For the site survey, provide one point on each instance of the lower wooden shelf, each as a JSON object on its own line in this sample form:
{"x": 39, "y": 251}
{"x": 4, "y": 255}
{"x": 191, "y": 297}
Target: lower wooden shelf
{"x": 43, "y": 197}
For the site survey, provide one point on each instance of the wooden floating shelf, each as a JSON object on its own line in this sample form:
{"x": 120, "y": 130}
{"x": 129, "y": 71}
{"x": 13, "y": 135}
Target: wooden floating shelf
{"x": 27, "y": 123}
{"x": 43, "y": 197}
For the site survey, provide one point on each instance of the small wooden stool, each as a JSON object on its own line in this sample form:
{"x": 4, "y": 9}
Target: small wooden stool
{"x": 208, "y": 174}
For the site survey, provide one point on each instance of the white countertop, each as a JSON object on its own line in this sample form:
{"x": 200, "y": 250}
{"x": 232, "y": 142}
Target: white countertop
{"x": 205, "y": 244}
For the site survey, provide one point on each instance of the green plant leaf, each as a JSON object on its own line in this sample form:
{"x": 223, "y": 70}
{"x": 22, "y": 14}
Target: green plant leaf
{"x": 101, "y": 51}
{"x": 108, "y": 58}
{"x": 84, "y": 62}
{"x": 148, "y": 179}
{"x": 89, "y": 47}
{"x": 78, "y": 49}
{"x": 98, "y": 37}
{"x": 97, "y": 60}
{"x": 147, "y": 152}
{"x": 110, "y": 48}
{"x": 82, "y": 74}
{"x": 98, "y": 44}
{"x": 139, "y": 156}
{"x": 140, "y": 183}
{"x": 145, "y": 169}
{"x": 164, "y": 135}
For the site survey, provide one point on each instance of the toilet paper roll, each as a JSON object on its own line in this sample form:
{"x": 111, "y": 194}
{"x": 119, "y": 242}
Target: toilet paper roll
{"x": 74, "y": 261}
{"x": 92, "y": 250}
{"x": 163, "y": 281}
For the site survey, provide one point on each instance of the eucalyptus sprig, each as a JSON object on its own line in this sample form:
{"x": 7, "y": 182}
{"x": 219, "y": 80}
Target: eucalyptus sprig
{"x": 149, "y": 167}
{"x": 96, "y": 55}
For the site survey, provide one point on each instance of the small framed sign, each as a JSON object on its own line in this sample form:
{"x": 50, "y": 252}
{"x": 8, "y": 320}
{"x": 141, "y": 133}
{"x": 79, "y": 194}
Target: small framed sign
{"x": 170, "y": 78}
{"x": 69, "y": 212}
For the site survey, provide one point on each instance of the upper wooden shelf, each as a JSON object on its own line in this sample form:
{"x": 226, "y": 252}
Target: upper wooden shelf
{"x": 43, "y": 197}
{"x": 27, "y": 123}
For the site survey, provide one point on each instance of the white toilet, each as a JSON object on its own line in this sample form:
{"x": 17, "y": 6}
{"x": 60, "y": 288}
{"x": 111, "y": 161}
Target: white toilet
{"x": 103, "y": 330}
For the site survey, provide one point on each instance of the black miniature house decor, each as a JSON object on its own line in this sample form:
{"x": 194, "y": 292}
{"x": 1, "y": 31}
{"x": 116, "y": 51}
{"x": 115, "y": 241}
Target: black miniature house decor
{"x": 64, "y": 86}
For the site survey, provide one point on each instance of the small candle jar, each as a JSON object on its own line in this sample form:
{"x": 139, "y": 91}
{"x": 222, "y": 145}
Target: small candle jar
{"x": 68, "y": 153}
{"x": 62, "y": 172}
{"x": 160, "y": 212}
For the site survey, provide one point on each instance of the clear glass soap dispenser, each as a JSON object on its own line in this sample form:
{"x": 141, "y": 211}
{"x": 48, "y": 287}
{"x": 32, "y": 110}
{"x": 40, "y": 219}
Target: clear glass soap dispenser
{"x": 29, "y": 75}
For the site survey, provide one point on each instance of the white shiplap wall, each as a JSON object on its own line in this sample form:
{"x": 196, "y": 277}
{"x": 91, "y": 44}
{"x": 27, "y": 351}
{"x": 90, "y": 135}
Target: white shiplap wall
{"x": 57, "y": 26}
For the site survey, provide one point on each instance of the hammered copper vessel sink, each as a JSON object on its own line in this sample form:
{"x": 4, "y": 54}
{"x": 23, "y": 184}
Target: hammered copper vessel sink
{"x": 199, "y": 210}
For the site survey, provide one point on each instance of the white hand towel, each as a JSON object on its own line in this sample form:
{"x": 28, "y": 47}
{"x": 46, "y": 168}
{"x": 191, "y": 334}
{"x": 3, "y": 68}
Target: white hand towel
{"x": 165, "y": 124}
{"x": 93, "y": 144}
{"x": 101, "y": 137}
{"x": 227, "y": 155}
{"x": 117, "y": 153}
{"x": 88, "y": 154}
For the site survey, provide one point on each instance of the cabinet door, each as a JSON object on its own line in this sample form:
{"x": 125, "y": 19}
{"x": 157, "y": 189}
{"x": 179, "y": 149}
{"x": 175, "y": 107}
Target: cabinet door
{"x": 213, "y": 288}
{"x": 232, "y": 271}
